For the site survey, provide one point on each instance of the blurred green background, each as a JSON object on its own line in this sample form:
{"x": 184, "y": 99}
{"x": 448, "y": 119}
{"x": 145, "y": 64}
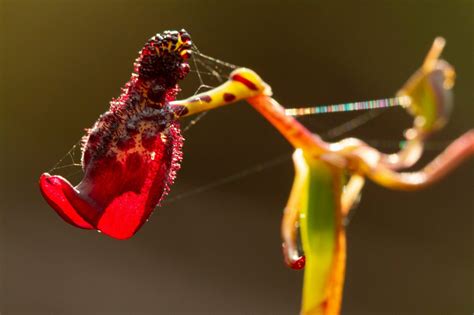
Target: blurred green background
{"x": 218, "y": 252}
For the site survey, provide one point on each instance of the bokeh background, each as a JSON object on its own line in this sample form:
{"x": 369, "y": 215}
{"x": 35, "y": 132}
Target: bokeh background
{"x": 218, "y": 251}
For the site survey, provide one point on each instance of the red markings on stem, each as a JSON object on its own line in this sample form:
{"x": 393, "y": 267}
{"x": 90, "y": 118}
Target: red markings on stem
{"x": 180, "y": 110}
{"x": 228, "y": 97}
{"x": 203, "y": 98}
{"x": 246, "y": 82}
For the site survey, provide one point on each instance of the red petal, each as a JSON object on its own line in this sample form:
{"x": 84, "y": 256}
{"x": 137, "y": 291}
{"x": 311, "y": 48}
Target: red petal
{"x": 57, "y": 191}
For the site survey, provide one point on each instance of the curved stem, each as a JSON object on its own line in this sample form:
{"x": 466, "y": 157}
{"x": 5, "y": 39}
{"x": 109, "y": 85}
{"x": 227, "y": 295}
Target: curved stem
{"x": 460, "y": 150}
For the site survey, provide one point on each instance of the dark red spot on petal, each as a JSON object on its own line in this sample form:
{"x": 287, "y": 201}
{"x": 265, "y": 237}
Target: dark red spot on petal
{"x": 180, "y": 110}
{"x": 246, "y": 82}
{"x": 205, "y": 98}
{"x": 228, "y": 97}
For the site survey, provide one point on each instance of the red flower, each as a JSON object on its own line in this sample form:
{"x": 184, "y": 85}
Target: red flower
{"x": 132, "y": 153}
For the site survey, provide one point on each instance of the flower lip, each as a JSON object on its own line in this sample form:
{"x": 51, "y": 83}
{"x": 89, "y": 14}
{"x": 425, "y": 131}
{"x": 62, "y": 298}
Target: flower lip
{"x": 56, "y": 190}
{"x": 133, "y": 151}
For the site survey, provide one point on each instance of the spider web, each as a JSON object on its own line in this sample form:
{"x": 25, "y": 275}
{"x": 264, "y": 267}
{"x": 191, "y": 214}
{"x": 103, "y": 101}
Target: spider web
{"x": 207, "y": 73}
{"x": 332, "y": 133}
